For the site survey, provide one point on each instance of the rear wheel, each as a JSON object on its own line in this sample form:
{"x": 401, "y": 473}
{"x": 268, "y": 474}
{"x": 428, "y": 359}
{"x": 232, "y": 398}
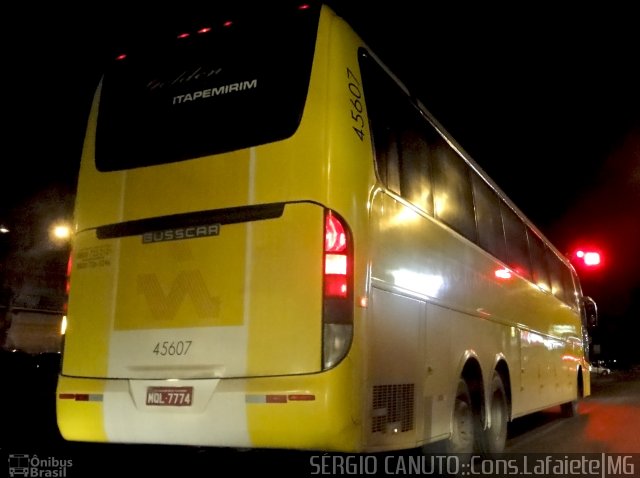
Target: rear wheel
{"x": 495, "y": 435}
{"x": 466, "y": 426}
{"x": 570, "y": 409}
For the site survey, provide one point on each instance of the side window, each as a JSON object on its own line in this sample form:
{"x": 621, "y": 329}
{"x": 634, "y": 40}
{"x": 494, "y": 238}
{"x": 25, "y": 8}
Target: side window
{"x": 415, "y": 174}
{"x": 561, "y": 280}
{"x": 576, "y": 291}
{"x": 490, "y": 230}
{"x": 390, "y": 158}
{"x": 538, "y": 261}
{"x": 453, "y": 200}
{"x": 383, "y": 99}
{"x": 569, "y": 295}
{"x": 517, "y": 246}
{"x": 401, "y": 137}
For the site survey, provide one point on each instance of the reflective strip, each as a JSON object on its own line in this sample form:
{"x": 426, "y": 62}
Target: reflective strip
{"x": 81, "y": 397}
{"x": 255, "y": 399}
{"x": 298, "y": 397}
{"x": 302, "y": 398}
{"x": 276, "y": 399}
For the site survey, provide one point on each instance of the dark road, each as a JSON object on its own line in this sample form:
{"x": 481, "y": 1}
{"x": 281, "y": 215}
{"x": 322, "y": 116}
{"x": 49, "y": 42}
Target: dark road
{"x": 608, "y": 422}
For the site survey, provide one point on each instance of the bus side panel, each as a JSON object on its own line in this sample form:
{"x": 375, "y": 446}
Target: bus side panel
{"x": 395, "y": 354}
{"x": 452, "y": 338}
{"x": 548, "y": 372}
{"x": 415, "y": 257}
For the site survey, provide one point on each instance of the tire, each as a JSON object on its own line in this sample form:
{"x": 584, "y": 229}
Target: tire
{"x": 495, "y": 435}
{"x": 569, "y": 409}
{"x": 466, "y": 424}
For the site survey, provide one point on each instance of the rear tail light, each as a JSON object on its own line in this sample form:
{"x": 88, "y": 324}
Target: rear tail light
{"x": 337, "y": 310}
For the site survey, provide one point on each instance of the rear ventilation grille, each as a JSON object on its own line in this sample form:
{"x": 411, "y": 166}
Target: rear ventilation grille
{"x": 392, "y": 408}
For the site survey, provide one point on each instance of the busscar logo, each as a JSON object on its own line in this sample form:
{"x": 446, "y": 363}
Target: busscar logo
{"x": 180, "y": 233}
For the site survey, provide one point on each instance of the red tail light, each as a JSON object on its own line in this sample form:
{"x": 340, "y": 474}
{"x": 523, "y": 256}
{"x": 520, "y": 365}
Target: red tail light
{"x": 335, "y": 257}
{"x": 337, "y": 313}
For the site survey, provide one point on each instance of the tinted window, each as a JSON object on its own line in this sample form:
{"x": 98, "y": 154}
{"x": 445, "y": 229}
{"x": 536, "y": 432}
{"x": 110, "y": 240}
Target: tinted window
{"x": 387, "y": 155}
{"x": 517, "y": 246}
{"x": 561, "y": 280}
{"x": 401, "y": 137}
{"x": 568, "y": 295}
{"x": 453, "y": 200}
{"x": 538, "y": 261}
{"x": 385, "y": 104}
{"x": 489, "y": 219}
{"x": 227, "y": 89}
{"x": 415, "y": 174}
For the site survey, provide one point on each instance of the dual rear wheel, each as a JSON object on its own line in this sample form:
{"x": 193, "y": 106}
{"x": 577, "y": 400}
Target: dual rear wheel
{"x": 469, "y": 435}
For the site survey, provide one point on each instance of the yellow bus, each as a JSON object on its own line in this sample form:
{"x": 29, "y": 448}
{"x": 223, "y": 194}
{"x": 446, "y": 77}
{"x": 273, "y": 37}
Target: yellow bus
{"x": 277, "y": 246}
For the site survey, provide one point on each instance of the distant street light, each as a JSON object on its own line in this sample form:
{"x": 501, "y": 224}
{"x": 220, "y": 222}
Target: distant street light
{"x": 60, "y": 232}
{"x": 3, "y": 229}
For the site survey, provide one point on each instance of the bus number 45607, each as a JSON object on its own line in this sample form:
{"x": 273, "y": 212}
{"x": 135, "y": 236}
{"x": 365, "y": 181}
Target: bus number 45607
{"x": 180, "y": 347}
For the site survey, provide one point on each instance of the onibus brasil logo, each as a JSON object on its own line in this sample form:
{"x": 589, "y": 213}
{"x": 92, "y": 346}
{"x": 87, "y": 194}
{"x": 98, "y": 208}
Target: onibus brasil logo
{"x": 34, "y": 466}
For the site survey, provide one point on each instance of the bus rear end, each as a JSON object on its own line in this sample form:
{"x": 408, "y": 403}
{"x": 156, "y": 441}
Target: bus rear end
{"x": 212, "y": 282}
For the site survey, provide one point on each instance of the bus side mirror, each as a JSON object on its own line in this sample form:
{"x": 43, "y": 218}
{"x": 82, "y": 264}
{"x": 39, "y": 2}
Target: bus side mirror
{"x": 591, "y": 311}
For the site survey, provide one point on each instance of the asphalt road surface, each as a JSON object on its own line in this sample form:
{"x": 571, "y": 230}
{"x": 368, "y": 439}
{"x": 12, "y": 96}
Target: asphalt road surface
{"x": 608, "y": 421}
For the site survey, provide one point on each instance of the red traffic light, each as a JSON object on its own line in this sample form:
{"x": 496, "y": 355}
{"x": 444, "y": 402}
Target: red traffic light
{"x": 587, "y": 258}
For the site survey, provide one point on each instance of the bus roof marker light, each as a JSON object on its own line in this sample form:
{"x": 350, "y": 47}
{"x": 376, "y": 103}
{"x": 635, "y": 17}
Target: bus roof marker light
{"x": 204, "y": 30}
{"x": 183, "y": 35}
{"x": 122, "y": 56}
{"x": 304, "y": 6}
{"x": 227, "y": 24}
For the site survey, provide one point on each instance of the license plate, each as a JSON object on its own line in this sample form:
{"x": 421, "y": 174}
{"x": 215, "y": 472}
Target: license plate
{"x": 170, "y": 396}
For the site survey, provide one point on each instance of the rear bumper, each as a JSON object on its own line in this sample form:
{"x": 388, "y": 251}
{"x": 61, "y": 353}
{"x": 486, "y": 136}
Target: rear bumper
{"x": 306, "y": 412}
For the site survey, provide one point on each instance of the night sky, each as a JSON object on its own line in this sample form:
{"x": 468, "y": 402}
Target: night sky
{"x": 546, "y": 101}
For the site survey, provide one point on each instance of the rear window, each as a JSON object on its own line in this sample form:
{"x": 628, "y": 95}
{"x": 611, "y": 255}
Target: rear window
{"x": 241, "y": 83}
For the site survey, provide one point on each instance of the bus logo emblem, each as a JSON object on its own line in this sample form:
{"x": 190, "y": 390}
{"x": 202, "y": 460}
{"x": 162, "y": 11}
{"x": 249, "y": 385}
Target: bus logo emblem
{"x": 187, "y": 284}
{"x": 180, "y": 233}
